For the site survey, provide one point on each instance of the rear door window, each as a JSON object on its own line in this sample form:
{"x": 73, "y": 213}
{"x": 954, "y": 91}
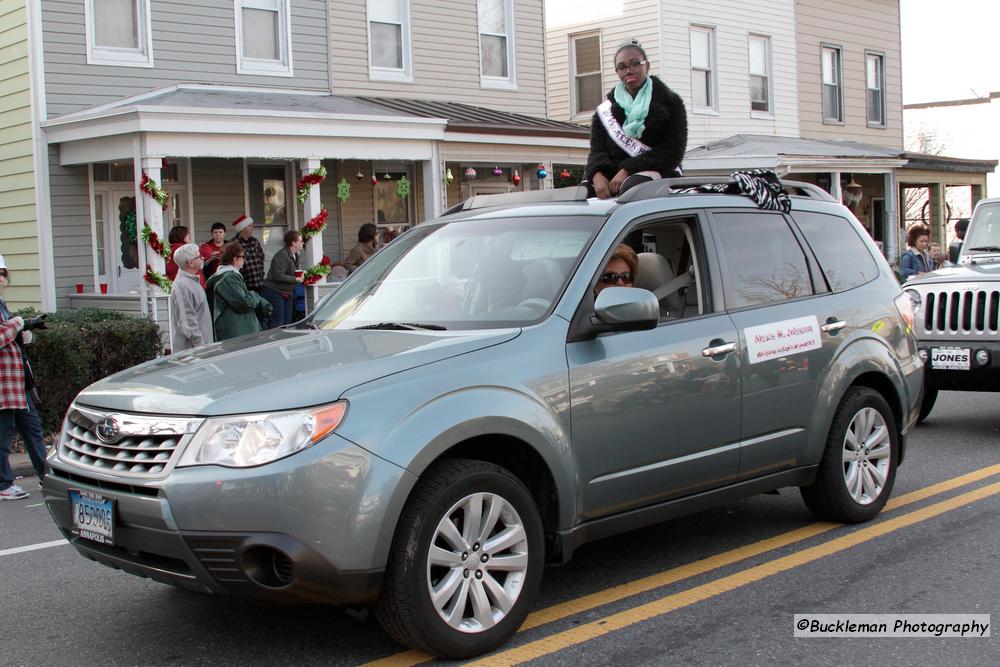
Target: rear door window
{"x": 763, "y": 262}
{"x": 843, "y": 256}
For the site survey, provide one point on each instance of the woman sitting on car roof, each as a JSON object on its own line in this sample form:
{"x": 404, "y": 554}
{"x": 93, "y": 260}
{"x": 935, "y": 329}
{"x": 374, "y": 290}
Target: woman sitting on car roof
{"x": 639, "y": 133}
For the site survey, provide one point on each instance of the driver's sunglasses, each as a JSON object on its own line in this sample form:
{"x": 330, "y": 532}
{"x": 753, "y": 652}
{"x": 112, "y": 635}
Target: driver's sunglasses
{"x": 610, "y": 278}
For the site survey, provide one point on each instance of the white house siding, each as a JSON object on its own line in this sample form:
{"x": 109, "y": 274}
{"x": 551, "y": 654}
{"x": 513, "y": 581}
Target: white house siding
{"x": 18, "y": 231}
{"x": 733, "y": 23}
{"x": 193, "y": 41}
{"x": 445, "y": 55}
{"x": 625, "y": 19}
{"x": 967, "y": 129}
{"x": 71, "y": 231}
{"x": 855, "y": 26}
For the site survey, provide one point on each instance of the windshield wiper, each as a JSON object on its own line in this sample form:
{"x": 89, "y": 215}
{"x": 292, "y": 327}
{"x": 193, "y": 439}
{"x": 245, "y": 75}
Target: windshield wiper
{"x": 985, "y": 248}
{"x": 403, "y": 326}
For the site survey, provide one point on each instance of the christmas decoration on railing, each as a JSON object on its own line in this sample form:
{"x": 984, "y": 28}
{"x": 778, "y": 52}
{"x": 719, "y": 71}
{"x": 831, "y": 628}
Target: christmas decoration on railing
{"x": 542, "y": 173}
{"x": 315, "y": 272}
{"x": 343, "y": 190}
{"x": 564, "y": 174}
{"x": 497, "y": 171}
{"x": 151, "y": 188}
{"x": 470, "y": 173}
{"x": 154, "y": 278}
{"x": 403, "y": 187}
{"x": 153, "y": 240}
{"x": 516, "y": 177}
{"x": 314, "y": 226}
{"x": 313, "y": 178}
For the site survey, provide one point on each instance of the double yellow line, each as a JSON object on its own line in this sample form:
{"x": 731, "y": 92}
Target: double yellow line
{"x": 617, "y": 621}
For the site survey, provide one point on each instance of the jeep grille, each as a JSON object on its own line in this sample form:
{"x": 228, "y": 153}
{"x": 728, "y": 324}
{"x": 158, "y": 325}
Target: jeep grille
{"x": 951, "y": 311}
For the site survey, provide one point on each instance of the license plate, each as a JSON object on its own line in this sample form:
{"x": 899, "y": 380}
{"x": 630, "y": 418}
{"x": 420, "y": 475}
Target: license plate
{"x": 951, "y": 358}
{"x": 93, "y": 516}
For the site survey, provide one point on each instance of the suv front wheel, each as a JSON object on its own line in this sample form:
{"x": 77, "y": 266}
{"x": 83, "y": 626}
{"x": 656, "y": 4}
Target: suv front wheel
{"x": 858, "y": 468}
{"x": 466, "y": 561}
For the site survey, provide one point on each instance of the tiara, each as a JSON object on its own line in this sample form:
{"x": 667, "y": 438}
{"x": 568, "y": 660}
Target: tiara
{"x": 631, "y": 41}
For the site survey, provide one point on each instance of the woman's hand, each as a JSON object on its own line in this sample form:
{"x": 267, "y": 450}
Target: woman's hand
{"x": 616, "y": 182}
{"x": 601, "y": 186}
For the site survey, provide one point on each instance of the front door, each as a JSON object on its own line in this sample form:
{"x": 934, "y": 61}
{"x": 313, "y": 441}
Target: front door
{"x": 123, "y": 271}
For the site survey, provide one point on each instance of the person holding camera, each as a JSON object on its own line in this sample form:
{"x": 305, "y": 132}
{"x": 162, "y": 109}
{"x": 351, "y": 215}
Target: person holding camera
{"x": 17, "y": 391}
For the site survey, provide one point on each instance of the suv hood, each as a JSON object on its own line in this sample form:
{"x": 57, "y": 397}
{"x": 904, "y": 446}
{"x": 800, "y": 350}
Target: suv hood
{"x": 282, "y": 369}
{"x": 958, "y": 274}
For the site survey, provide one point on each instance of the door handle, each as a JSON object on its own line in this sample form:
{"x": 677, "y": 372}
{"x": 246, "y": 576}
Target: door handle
{"x": 718, "y": 348}
{"x": 833, "y": 326}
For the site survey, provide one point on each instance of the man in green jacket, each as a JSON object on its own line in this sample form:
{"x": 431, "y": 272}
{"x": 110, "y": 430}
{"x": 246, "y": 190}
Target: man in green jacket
{"x": 234, "y": 308}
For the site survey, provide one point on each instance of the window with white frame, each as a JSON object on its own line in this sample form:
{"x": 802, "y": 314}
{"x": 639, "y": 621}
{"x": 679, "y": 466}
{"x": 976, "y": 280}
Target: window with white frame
{"x": 760, "y": 74}
{"x": 389, "y": 40}
{"x": 119, "y": 33}
{"x": 833, "y": 107}
{"x": 263, "y": 37}
{"x": 703, "y": 68}
{"x": 875, "y": 75}
{"x": 585, "y": 61}
{"x": 496, "y": 43}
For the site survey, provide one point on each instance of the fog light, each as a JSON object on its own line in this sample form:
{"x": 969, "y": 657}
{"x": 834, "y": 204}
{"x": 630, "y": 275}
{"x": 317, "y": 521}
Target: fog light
{"x": 982, "y": 357}
{"x": 922, "y": 353}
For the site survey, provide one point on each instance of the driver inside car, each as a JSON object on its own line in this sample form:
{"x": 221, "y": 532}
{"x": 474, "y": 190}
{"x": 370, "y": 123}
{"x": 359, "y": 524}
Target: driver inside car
{"x": 619, "y": 271}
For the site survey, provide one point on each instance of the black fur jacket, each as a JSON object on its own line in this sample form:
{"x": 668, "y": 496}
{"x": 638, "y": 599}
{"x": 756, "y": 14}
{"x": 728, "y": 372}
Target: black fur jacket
{"x": 666, "y": 135}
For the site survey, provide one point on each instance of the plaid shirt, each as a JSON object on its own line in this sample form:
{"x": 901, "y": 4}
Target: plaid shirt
{"x": 253, "y": 265}
{"x": 12, "y": 394}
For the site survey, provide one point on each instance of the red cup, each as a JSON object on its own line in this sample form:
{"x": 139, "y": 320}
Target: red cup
{"x": 79, "y": 288}
{"x": 299, "y": 273}
{"x": 104, "y": 288}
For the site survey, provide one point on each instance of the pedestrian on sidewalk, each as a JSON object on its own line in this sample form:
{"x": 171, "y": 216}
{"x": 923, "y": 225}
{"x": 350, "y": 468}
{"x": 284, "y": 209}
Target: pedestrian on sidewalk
{"x": 17, "y": 409}
{"x": 190, "y": 319}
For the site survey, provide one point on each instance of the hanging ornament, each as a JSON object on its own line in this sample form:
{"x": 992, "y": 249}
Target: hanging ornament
{"x": 374, "y": 179}
{"x": 497, "y": 171}
{"x": 542, "y": 173}
{"x": 564, "y": 174}
{"x": 470, "y": 173}
{"x": 359, "y": 175}
{"x": 403, "y": 187}
{"x": 343, "y": 190}
{"x": 387, "y": 177}
{"x": 448, "y": 176}
{"x": 516, "y": 177}
{"x": 163, "y": 163}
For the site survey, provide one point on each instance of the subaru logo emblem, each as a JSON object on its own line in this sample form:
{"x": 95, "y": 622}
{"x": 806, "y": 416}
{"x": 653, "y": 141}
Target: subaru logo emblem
{"x": 108, "y": 429}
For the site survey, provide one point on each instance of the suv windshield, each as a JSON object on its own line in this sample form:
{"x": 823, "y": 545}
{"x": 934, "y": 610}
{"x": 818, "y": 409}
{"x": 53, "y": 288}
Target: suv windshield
{"x": 463, "y": 275}
{"x": 984, "y": 232}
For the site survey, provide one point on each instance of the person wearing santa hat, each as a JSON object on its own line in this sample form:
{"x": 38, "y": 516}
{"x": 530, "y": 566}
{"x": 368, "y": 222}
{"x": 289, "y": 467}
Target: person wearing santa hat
{"x": 253, "y": 265}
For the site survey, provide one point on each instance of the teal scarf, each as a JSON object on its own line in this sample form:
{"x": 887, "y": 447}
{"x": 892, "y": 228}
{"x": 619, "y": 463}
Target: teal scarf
{"x": 635, "y": 108}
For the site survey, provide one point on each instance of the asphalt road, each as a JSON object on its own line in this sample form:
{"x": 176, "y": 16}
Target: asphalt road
{"x": 684, "y": 596}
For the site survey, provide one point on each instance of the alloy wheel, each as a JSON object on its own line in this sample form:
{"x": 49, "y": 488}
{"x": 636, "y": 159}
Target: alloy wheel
{"x": 866, "y": 456}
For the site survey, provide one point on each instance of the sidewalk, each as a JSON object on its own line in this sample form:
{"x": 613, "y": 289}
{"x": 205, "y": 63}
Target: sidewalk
{"x": 21, "y": 465}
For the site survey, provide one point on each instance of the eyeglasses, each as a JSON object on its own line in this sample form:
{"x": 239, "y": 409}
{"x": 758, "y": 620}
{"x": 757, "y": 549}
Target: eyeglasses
{"x": 610, "y": 278}
{"x": 621, "y": 68}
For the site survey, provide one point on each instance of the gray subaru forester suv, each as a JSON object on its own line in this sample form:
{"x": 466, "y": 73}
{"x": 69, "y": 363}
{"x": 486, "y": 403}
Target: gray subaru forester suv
{"x": 469, "y": 406}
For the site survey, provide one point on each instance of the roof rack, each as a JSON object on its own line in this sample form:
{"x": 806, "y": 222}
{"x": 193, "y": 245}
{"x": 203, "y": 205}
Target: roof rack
{"x": 663, "y": 187}
{"x": 577, "y": 193}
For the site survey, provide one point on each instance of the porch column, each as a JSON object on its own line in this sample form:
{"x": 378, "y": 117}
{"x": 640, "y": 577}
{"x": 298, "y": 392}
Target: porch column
{"x": 312, "y": 253}
{"x": 549, "y": 182}
{"x": 153, "y": 212}
{"x": 434, "y": 192}
{"x": 835, "y": 190}
{"x": 938, "y": 217}
{"x": 891, "y": 222}
{"x": 975, "y": 195}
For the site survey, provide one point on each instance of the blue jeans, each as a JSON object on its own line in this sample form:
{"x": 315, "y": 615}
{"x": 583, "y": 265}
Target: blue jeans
{"x": 29, "y": 425}
{"x": 282, "y": 307}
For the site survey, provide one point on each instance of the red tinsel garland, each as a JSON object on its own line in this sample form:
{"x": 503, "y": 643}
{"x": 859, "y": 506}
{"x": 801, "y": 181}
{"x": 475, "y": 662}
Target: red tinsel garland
{"x": 151, "y": 188}
{"x": 315, "y": 225}
{"x": 310, "y": 179}
{"x": 317, "y": 271}
{"x": 154, "y": 278}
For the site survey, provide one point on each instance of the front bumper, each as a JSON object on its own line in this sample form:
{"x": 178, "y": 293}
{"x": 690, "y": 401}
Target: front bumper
{"x": 303, "y": 529}
{"x": 979, "y": 377}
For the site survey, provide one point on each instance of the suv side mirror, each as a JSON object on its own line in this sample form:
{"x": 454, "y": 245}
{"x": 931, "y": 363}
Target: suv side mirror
{"x": 627, "y": 309}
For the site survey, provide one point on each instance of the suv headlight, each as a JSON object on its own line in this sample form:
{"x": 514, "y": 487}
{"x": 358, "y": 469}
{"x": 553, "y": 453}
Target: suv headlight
{"x": 240, "y": 441}
{"x": 915, "y": 300}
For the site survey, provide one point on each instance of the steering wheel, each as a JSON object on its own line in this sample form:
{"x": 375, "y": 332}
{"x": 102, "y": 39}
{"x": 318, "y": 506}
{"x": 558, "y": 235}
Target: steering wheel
{"x": 535, "y": 303}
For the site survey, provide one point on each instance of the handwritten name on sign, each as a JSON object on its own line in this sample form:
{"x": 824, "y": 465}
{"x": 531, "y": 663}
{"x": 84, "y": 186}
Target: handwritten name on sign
{"x": 780, "y": 339}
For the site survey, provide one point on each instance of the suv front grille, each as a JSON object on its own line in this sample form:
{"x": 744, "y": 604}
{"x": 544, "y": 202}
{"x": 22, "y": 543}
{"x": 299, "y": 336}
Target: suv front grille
{"x": 135, "y": 445}
{"x": 950, "y": 311}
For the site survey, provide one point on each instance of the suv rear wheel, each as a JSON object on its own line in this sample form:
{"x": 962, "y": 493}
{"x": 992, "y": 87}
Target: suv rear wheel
{"x": 466, "y": 561}
{"x": 858, "y": 467}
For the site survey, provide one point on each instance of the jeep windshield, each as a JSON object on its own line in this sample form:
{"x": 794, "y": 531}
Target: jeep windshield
{"x": 466, "y": 274}
{"x": 984, "y": 232}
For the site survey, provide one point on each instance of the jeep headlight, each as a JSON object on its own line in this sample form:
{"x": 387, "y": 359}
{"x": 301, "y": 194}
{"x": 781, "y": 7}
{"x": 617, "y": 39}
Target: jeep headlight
{"x": 241, "y": 441}
{"x": 915, "y": 300}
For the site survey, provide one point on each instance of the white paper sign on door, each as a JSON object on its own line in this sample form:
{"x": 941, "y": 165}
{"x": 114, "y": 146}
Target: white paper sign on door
{"x": 780, "y": 339}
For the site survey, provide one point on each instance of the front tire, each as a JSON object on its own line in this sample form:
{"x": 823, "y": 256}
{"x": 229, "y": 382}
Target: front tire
{"x": 858, "y": 468}
{"x": 465, "y": 563}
